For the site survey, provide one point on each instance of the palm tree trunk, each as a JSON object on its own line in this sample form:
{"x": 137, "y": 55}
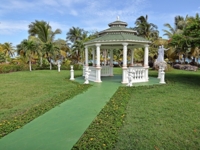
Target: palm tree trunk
{"x": 40, "y": 61}
{"x": 179, "y": 57}
{"x": 6, "y": 61}
{"x": 50, "y": 66}
{"x": 30, "y": 64}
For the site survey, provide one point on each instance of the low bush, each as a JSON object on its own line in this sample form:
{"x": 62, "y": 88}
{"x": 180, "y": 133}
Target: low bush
{"x": 6, "y": 68}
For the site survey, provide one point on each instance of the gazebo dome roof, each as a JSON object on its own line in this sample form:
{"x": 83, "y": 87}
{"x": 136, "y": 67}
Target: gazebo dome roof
{"x": 118, "y": 31}
{"x": 117, "y": 23}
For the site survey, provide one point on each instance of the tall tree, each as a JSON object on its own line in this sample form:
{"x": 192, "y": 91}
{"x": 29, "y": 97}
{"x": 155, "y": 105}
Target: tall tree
{"x": 8, "y": 50}
{"x": 74, "y": 34}
{"x": 77, "y": 51}
{"x": 146, "y": 29}
{"x": 63, "y": 46}
{"x": 51, "y": 52}
{"x": 28, "y": 49}
{"x": 179, "y": 25}
{"x": 78, "y": 36}
{"x": 2, "y": 56}
{"x": 177, "y": 41}
{"x": 192, "y": 34}
{"x": 192, "y": 31}
{"x": 43, "y": 31}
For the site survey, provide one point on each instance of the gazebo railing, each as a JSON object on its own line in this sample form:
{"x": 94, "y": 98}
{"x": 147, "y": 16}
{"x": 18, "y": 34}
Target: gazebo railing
{"x": 138, "y": 74}
{"x": 106, "y": 70}
{"x": 92, "y": 75}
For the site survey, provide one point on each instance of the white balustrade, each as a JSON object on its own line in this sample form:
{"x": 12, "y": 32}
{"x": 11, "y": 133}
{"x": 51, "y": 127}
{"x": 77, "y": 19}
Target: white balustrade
{"x": 92, "y": 75}
{"x": 105, "y": 70}
{"x": 138, "y": 74}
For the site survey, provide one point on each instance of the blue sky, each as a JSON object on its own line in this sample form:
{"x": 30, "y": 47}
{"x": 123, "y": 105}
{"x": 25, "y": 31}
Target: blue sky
{"x": 91, "y": 15}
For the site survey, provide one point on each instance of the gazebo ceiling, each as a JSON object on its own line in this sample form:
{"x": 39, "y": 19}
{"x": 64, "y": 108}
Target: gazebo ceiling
{"x": 118, "y": 33}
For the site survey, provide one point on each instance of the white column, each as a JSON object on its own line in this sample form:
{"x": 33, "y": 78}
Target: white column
{"x": 98, "y": 54}
{"x": 98, "y": 67}
{"x": 72, "y": 73}
{"x": 105, "y": 57}
{"x": 124, "y": 75}
{"x": 93, "y": 56}
{"x": 146, "y": 56}
{"x": 132, "y": 55}
{"x": 125, "y": 54}
{"x": 146, "y": 62}
{"x": 86, "y": 56}
{"x": 162, "y": 76}
{"x": 111, "y": 62}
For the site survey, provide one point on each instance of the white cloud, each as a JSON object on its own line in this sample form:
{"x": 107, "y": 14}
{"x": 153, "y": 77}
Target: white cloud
{"x": 58, "y": 25}
{"x": 97, "y": 12}
{"x": 13, "y": 27}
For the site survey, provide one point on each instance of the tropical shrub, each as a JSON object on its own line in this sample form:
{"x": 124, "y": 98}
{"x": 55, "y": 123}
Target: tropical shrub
{"x": 6, "y": 68}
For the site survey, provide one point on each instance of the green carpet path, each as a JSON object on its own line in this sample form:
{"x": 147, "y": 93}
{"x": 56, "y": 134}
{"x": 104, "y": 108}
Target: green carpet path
{"x": 61, "y": 127}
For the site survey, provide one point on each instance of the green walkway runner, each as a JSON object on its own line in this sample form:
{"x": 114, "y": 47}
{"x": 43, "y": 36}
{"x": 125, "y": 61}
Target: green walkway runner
{"x": 61, "y": 127}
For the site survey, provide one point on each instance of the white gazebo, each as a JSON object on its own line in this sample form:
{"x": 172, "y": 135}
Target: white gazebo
{"x": 117, "y": 37}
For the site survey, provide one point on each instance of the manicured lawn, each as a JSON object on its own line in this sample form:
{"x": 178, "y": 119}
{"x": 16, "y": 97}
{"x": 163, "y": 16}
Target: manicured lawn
{"x": 155, "y": 117}
{"x": 117, "y": 70}
{"x": 147, "y": 117}
{"x": 26, "y": 95}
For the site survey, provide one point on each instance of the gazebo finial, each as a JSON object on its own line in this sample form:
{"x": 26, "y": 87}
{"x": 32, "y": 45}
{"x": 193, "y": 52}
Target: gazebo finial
{"x": 117, "y": 18}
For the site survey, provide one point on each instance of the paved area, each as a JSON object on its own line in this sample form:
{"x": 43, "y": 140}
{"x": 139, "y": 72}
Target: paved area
{"x": 61, "y": 127}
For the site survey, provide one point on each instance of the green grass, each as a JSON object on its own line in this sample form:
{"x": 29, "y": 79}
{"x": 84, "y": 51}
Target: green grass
{"x": 156, "y": 117}
{"x": 117, "y": 70}
{"x": 164, "y": 117}
{"x": 147, "y": 117}
{"x": 26, "y": 95}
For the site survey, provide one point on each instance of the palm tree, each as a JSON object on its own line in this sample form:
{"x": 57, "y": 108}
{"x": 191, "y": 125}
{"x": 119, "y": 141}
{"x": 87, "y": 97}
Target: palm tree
{"x": 39, "y": 48}
{"x": 146, "y": 29}
{"x": 8, "y": 50}
{"x": 77, "y": 51}
{"x": 74, "y": 34}
{"x": 177, "y": 41}
{"x": 63, "y": 46}
{"x": 2, "y": 57}
{"x": 191, "y": 32}
{"x": 1, "y": 48}
{"x": 28, "y": 48}
{"x": 179, "y": 25}
{"x": 118, "y": 56}
{"x": 78, "y": 37}
{"x": 51, "y": 52}
{"x": 43, "y": 31}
